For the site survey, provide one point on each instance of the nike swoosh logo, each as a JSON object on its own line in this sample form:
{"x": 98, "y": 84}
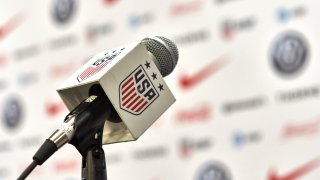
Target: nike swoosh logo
{"x": 188, "y": 82}
{"x": 10, "y": 25}
{"x": 296, "y": 173}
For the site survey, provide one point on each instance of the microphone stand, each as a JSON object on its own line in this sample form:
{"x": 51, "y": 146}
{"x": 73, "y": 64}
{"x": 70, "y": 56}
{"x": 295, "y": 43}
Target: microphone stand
{"x": 88, "y": 140}
{"x": 85, "y": 125}
{"x": 94, "y": 164}
{"x": 89, "y": 143}
{"x": 88, "y": 136}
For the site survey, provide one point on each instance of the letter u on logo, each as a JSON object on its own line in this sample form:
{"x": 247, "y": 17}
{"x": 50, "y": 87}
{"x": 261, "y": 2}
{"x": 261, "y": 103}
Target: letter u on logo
{"x": 136, "y": 92}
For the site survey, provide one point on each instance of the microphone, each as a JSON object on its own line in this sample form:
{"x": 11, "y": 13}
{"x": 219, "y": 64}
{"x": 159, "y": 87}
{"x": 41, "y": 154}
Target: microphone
{"x": 131, "y": 78}
{"x": 122, "y": 90}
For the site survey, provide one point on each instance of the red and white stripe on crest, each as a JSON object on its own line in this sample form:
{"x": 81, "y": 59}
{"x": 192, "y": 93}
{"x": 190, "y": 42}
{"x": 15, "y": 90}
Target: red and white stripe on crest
{"x": 130, "y": 99}
{"x": 90, "y": 71}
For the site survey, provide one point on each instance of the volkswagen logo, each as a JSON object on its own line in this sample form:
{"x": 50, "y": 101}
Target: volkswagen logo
{"x": 289, "y": 53}
{"x": 63, "y": 10}
{"x": 213, "y": 171}
{"x": 12, "y": 112}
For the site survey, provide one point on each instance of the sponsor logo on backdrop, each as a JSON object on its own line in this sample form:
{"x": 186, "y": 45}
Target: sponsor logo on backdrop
{"x": 12, "y": 112}
{"x": 241, "y": 139}
{"x": 66, "y": 165}
{"x": 55, "y": 108}
{"x": 244, "y": 104}
{"x": 297, "y": 173}
{"x": 213, "y": 170}
{"x": 29, "y": 142}
{"x": 24, "y": 143}
{"x": 221, "y": 2}
{"x": 187, "y": 82}
{"x": 197, "y": 113}
{"x": 3, "y": 60}
{"x": 192, "y": 37}
{"x": 138, "y": 20}
{"x": 289, "y": 53}
{"x": 151, "y": 153}
{"x": 97, "y": 31}
{"x": 137, "y": 91}
{"x": 6, "y": 28}
{"x": 188, "y": 146}
{"x": 63, "y": 10}
{"x": 186, "y": 7}
{"x": 231, "y": 27}
{"x": 63, "y": 42}
{"x": 309, "y": 128}
{"x": 27, "y": 78}
{"x": 284, "y": 15}
{"x": 26, "y": 52}
{"x": 98, "y": 64}
{"x": 298, "y": 94}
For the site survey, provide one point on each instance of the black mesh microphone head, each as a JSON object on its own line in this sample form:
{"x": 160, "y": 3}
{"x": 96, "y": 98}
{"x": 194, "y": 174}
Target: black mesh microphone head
{"x": 165, "y": 51}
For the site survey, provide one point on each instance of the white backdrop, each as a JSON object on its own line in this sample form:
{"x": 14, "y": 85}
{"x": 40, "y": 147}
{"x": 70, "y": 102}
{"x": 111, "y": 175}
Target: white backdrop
{"x": 237, "y": 115}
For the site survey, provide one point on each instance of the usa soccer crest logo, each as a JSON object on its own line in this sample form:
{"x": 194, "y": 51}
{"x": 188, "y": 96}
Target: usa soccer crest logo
{"x": 137, "y": 92}
{"x": 99, "y": 64}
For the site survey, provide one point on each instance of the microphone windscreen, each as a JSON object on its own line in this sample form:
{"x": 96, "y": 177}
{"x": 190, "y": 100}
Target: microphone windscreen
{"x": 165, "y": 51}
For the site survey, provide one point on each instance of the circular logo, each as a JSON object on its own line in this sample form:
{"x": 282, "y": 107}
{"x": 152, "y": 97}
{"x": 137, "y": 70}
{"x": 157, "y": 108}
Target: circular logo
{"x": 289, "y": 53}
{"x": 213, "y": 171}
{"x": 63, "y": 10}
{"x": 12, "y": 112}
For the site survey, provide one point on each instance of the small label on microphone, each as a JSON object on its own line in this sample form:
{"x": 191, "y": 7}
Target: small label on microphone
{"x": 90, "y": 99}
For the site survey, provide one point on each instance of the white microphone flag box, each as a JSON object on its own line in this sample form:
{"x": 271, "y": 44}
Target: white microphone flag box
{"x": 133, "y": 84}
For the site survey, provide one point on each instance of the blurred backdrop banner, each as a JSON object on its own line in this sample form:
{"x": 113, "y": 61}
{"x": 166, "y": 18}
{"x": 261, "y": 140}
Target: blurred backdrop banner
{"x": 247, "y": 86}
